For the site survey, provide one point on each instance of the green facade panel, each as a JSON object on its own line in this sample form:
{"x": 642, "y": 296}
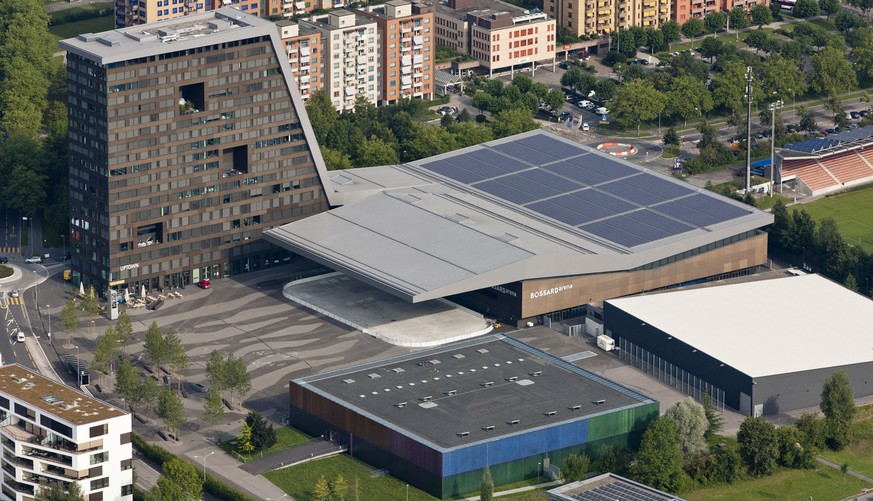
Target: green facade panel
{"x": 621, "y": 422}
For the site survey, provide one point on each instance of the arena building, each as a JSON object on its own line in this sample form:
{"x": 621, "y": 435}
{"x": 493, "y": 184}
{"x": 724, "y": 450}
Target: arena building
{"x": 436, "y": 419}
{"x": 820, "y": 166}
{"x": 525, "y": 226}
{"x": 763, "y": 347}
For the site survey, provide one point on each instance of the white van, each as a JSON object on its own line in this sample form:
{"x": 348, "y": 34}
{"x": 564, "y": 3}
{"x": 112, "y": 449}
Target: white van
{"x": 601, "y": 111}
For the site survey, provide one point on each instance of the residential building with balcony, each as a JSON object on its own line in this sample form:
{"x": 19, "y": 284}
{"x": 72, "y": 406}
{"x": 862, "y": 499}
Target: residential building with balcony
{"x": 187, "y": 139}
{"x": 51, "y": 432}
{"x": 498, "y": 35}
{"x": 136, "y": 12}
{"x": 303, "y": 47}
{"x": 683, "y": 10}
{"x": 286, "y": 8}
{"x": 645, "y": 13}
{"x": 585, "y": 17}
{"x": 407, "y": 49}
{"x": 350, "y": 56}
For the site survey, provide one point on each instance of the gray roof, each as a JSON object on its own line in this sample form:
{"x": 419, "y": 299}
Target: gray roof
{"x": 529, "y": 206}
{"x": 439, "y": 395}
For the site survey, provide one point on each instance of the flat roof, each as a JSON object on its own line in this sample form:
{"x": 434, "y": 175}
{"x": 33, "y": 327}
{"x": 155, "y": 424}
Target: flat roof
{"x": 187, "y": 32}
{"x": 609, "y": 487}
{"x": 449, "y": 397}
{"x": 767, "y": 327}
{"x": 528, "y": 206}
{"x": 54, "y": 398}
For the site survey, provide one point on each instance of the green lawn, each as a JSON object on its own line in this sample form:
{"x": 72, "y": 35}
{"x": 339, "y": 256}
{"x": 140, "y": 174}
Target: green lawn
{"x": 858, "y": 455}
{"x": 853, "y": 212}
{"x": 285, "y": 437}
{"x": 821, "y": 484}
{"x": 298, "y": 481}
{"x": 71, "y": 30}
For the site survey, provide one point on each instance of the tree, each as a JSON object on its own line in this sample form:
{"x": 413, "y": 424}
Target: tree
{"x": 692, "y": 28}
{"x": 636, "y": 101}
{"x": 806, "y": 8}
{"x": 688, "y": 97}
{"x": 829, "y": 241}
{"x": 811, "y": 429}
{"x": 689, "y": 417}
{"x": 335, "y": 160}
{"x": 171, "y": 410}
{"x": 25, "y": 188}
{"x": 832, "y": 74}
{"x": 784, "y": 77}
{"x": 838, "y": 407}
{"x": 105, "y": 351}
{"x": 807, "y": 120}
{"x": 739, "y": 18}
{"x": 614, "y": 458}
{"x": 181, "y": 478}
{"x": 715, "y": 420}
{"x": 321, "y": 491}
{"x": 375, "y": 151}
{"x": 671, "y": 137}
{"x": 244, "y": 440}
{"x": 322, "y": 114}
{"x": 340, "y": 487}
{"x": 761, "y": 16}
{"x": 123, "y": 330}
{"x": 146, "y": 393}
{"x": 126, "y": 380}
{"x": 177, "y": 359}
{"x": 155, "y": 350}
{"x": 427, "y": 141}
{"x": 238, "y": 379}
{"x": 486, "y": 486}
{"x": 90, "y": 304}
{"x": 57, "y": 491}
{"x": 715, "y": 22}
{"x": 757, "y": 39}
{"x": 711, "y": 47}
{"x": 655, "y": 40}
{"x": 554, "y": 99}
{"x": 575, "y": 467}
{"x": 213, "y": 407}
{"x": 659, "y": 461}
{"x": 792, "y": 453}
{"x": 470, "y": 133}
{"x": 262, "y": 434}
{"x": 829, "y": 7}
{"x": 851, "y": 283}
{"x": 216, "y": 371}
{"x": 730, "y": 87}
{"x": 759, "y": 446}
{"x": 672, "y": 32}
{"x": 511, "y": 122}
{"x": 845, "y": 21}
{"x": 70, "y": 318}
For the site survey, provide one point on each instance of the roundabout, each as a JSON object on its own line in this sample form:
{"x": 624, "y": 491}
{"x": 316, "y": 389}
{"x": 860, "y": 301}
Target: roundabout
{"x": 617, "y": 149}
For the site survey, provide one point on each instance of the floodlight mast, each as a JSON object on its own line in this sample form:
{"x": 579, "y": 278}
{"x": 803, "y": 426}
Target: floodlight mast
{"x": 749, "y": 129}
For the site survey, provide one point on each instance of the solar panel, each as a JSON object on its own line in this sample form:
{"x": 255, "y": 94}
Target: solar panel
{"x": 636, "y": 228}
{"x": 645, "y": 189}
{"x": 591, "y": 169}
{"x": 582, "y": 207}
{"x": 540, "y": 149}
{"x": 527, "y": 186}
{"x": 852, "y": 135}
{"x": 499, "y": 188}
{"x": 701, "y": 210}
{"x": 475, "y": 166}
{"x": 812, "y": 145}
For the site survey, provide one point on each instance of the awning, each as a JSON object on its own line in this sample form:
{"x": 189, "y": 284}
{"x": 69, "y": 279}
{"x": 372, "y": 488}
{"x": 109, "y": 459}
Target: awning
{"x": 406, "y": 70}
{"x": 304, "y": 51}
{"x": 406, "y": 60}
{"x": 417, "y": 40}
{"x": 350, "y": 91}
{"x": 406, "y": 80}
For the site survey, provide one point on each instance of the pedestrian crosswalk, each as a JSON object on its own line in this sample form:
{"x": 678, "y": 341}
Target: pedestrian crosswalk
{"x": 9, "y": 250}
{"x": 13, "y": 300}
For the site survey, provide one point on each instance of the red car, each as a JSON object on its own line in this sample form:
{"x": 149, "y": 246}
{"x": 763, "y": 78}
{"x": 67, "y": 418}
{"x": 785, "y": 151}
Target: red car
{"x": 204, "y": 284}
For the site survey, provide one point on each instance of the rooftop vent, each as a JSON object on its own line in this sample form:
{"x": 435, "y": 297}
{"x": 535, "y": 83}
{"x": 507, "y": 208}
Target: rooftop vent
{"x": 398, "y": 370}
{"x": 457, "y": 217}
{"x": 599, "y": 402}
{"x": 426, "y": 399}
{"x": 575, "y": 408}
{"x": 482, "y": 350}
{"x": 464, "y": 434}
{"x": 87, "y": 37}
{"x": 537, "y": 373}
{"x": 489, "y": 428}
{"x": 433, "y": 361}
{"x": 452, "y": 393}
{"x": 512, "y": 422}
{"x": 488, "y": 384}
{"x": 506, "y": 237}
{"x": 348, "y": 381}
{"x": 512, "y": 379}
{"x": 373, "y": 375}
{"x": 524, "y": 382}
{"x": 457, "y": 356}
{"x": 427, "y": 405}
{"x": 400, "y": 405}
{"x": 51, "y": 400}
{"x": 17, "y": 379}
{"x": 551, "y": 413}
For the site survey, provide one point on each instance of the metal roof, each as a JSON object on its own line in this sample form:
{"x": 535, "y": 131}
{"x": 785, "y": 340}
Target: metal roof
{"x": 813, "y": 145}
{"x": 473, "y": 391}
{"x": 782, "y": 340}
{"x": 845, "y": 138}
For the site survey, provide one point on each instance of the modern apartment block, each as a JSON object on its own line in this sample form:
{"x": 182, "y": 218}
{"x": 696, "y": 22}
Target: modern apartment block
{"x": 596, "y": 17}
{"x": 187, "y": 138}
{"x": 497, "y": 34}
{"x": 51, "y": 432}
{"x": 136, "y": 12}
{"x": 407, "y": 49}
{"x": 303, "y": 47}
{"x": 350, "y": 57}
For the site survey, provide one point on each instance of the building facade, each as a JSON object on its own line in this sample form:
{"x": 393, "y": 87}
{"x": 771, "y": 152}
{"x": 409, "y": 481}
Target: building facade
{"x": 187, "y": 140}
{"x": 407, "y": 49}
{"x": 597, "y": 17}
{"x": 304, "y": 49}
{"x": 350, "y": 57}
{"x": 53, "y": 433}
{"x": 500, "y": 36}
{"x": 136, "y": 12}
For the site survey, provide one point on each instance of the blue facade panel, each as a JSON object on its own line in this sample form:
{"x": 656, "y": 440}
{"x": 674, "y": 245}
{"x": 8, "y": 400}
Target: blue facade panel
{"x": 515, "y": 447}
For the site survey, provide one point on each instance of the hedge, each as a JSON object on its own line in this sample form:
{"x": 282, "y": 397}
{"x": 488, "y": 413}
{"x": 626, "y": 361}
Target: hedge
{"x": 212, "y": 486}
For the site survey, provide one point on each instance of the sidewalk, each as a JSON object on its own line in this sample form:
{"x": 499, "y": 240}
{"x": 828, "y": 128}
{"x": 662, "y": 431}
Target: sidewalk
{"x": 518, "y": 490}
{"x": 228, "y": 470}
{"x": 307, "y": 451}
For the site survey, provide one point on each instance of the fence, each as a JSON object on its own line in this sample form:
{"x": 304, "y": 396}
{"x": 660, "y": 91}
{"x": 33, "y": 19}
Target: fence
{"x": 665, "y": 371}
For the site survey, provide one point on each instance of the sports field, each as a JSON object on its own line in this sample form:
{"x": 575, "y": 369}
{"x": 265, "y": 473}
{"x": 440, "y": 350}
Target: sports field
{"x": 853, "y": 212}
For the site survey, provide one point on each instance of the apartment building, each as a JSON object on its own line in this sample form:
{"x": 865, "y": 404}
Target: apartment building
{"x": 597, "y": 17}
{"x": 407, "y": 49}
{"x": 350, "y": 57}
{"x": 188, "y": 138}
{"x": 303, "y": 47}
{"x": 137, "y": 12}
{"x": 500, "y": 36}
{"x": 51, "y": 432}
{"x": 683, "y": 10}
{"x": 286, "y": 8}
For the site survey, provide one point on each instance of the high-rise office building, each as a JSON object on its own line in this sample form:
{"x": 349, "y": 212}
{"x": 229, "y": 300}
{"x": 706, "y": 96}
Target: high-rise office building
{"x": 407, "y": 49}
{"x": 350, "y": 57}
{"x": 187, "y": 139}
{"x": 53, "y": 433}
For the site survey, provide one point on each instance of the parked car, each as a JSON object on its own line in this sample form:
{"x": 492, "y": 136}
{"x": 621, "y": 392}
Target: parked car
{"x": 447, "y": 110}
{"x": 15, "y": 293}
{"x": 20, "y": 337}
{"x": 585, "y": 126}
{"x": 4, "y": 259}
{"x": 204, "y": 284}
{"x": 33, "y": 260}
{"x": 855, "y": 115}
{"x": 200, "y": 387}
{"x": 584, "y": 103}
{"x": 565, "y": 116}
{"x": 564, "y": 66}
{"x": 602, "y": 111}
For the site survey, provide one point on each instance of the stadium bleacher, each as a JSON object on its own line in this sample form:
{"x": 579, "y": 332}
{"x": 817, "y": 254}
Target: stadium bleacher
{"x": 847, "y": 167}
{"x": 810, "y": 172}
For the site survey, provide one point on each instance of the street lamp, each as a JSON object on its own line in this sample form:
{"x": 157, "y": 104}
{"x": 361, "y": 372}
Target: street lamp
{"x": 64, "y": 247}
{"x": 749, "y": 129}
{"x": 50, "y": 321}
{"x": 773, "y": 107}
{"x": 407, "y": 492}
{"x": 204, "y": 464}
{"x": 78, "y": 369}
{"x": 36, "y": 289}
{"x": 538, "y": 472}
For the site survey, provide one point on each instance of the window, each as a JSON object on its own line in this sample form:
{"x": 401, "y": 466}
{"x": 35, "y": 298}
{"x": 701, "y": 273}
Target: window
{"x": 127, "y": 490}
{"x": 100, "y": 483}
{"x": 100, "y": 457}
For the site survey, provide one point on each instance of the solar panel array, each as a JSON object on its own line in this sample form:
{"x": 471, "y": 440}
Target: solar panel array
{"x": 618, "y": 491}
{"x": 853, "y": 135}
{"x": 813, "y": 145}
{"x": 594, "y": 193}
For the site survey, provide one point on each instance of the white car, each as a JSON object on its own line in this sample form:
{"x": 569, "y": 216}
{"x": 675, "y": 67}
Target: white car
{"x": 20, "y": 337}
{"x": 585, "y": 127}
{"x": 602, "y": 111}
{"x": 33, "y": 260}
{"x": 584, "y": 104}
